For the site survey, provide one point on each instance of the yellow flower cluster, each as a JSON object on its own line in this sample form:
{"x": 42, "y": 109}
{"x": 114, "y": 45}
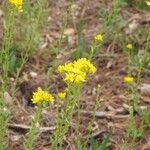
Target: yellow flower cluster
{"x": 128, "y": 80}
{"x": 99, "y": 38}
{"x": 129, "y": 46}
{"x": 61, "y": 95}
{"x": 148, "y": 3}
{"x": 41, "y": 96}
{"x": 18, "y": 4}
{"x": 77, "y": 71}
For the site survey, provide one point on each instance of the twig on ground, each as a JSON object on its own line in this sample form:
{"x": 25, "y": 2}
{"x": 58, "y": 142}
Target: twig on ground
{"x": 102, "y": 114}
{"x": 119, "y": 113}
{"x": 25, "y": 127}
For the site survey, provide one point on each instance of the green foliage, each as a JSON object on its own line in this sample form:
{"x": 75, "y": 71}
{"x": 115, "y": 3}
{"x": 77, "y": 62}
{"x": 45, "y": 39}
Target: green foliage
{"x": 134, "y": 132}
{"x": 136, "y": 3}
{"x": 28, "y": 145}
{"x": 14, "y": 61}
{"x": 145, "y": 117}
{"x": 79, "y": 145}
{"x": 54, "y": 50}
{"x": 65, "y": 117}
{"x": 129, "y": 146}
{"x": 129, "y": 2}
{"x": 110, "y": 19}
{"x": 139, "y": 60}
{"x": 33, "y": 19}
{"x": 100, "y": 146}
{"x": 4, "y": 117}
{"x": 80, "y": 50}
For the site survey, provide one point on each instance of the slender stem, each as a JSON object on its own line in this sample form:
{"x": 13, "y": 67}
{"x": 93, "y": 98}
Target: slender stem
{"x": 4, "y": 62}
{"x": 32, "y": 133}
{"x": 64, "y": 120}
{"x": 90, "y": 125}
{"x": 78, "y": 119}
{"x": 7, "y": 44}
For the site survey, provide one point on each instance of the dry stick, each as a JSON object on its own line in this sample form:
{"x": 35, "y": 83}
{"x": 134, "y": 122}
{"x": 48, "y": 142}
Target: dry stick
{"x": 127, "y": 107}
{"x": 118, "y": 113}
{"x": 103, "y": 114}
{"x": 25, "y": 127}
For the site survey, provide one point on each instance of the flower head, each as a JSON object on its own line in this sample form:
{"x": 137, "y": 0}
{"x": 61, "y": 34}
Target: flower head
{"x": 61, "y": 95}
{"x": 99, "y": 38}
{"x": 85, "y": 65}
{"x": 147, "y": 3}
{"x": 77, "y": 71}
{"x": 41, "y": 96}
{"x": 129, "y": 46}
{"x": 128, "y": 80}
{"x": 18, "y": 4}
{"x": 75, "y": 78}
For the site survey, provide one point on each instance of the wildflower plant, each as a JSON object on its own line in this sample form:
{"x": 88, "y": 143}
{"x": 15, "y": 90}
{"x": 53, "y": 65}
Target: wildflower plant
{"x": 74, "y": 74}
{"x": 133, "y": 100}
{"x": 96, "y": 45}
{"x": 129, "y": 46}
{"x": 33, "y": 19}
{"x": 81, "y": 44}
{"x": 61, "y": 95}
{"x": 42, "y": 96}
{"x": 110, "y": 21}
{"x": 132, "y": 91}
{"x": 99, "y": 38}
{"x": 9, "y": 25}
{"x": 128, "y": 80}
{"x": 18, "y": 4}
{"x": 91, "y": 123}
{"x": 139, "y": 62}
{"x": 39, "y": 97}
{"x": 147, "y": 3}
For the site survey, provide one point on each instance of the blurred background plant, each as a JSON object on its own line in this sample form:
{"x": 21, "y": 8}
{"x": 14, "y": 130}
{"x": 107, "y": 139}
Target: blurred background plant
{"x": 33, "y": 19}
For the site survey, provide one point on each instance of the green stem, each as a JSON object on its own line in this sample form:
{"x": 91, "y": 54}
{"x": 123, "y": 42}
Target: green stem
{"x": 4, "y": 62}
{"x": 33, "y": 25}
{"x": 64, "y": 120}
{"x": 90, "y": 125}
{"x": 7, "y": 44}
{"x": 32, "y": 133}
{"x": 3, "y": 123}
{"x": 78, "y": 120}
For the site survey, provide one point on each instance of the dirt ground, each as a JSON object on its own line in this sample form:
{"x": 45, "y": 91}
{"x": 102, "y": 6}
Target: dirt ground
{"x": 111, "y": 63}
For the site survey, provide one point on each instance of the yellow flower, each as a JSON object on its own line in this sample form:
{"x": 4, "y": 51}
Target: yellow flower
{"x": 79, "y": 79}
{"x": 69, "y": 78}
{"x": 77, "y": 71}
{"x": 128, "y": 80}
{"x": 147, "y": 3}
{"x": 99, "y": 38}
{"x": 85, "y": 65}
{"x": 75, "y": 78}
{"x": 60, "y": 69}
{"x": 18, "y": 4}
{"x": 41, "y": 96}
{"x": 61, "y": 95}
{"x": 129, "y": 46}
